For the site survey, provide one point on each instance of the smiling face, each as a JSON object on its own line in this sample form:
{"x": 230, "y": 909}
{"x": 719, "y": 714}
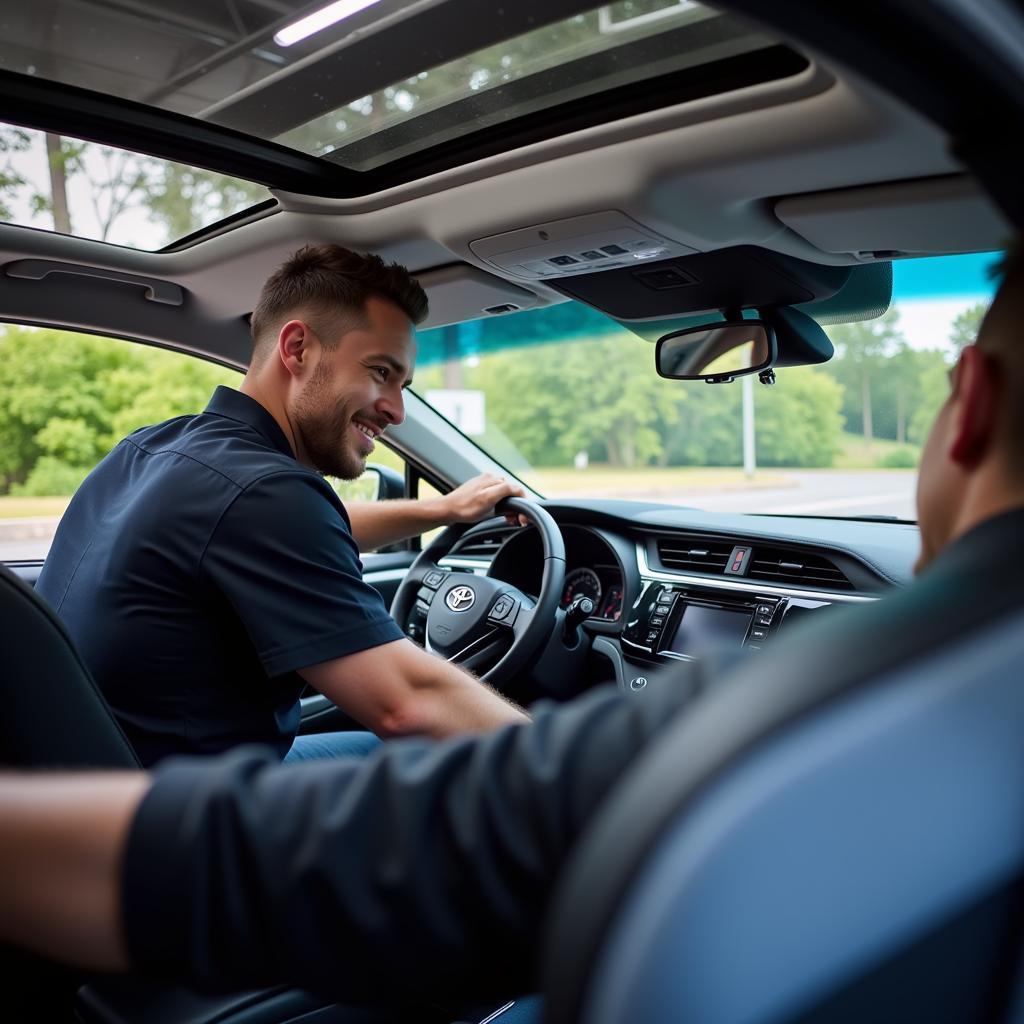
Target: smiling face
{"x": 355, "y": 391}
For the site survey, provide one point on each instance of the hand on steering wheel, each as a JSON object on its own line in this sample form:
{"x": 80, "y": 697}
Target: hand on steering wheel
{"x": 470, "y": 618}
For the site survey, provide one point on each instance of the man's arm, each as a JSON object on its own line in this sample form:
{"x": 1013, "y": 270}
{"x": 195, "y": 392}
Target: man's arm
{"x": 423, "y": 869}
{"x": 60, "y": 860}
{"x": 376, "y": 524}
{"x": 398, "y": 689}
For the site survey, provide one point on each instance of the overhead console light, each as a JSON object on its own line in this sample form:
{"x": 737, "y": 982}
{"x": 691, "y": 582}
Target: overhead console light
{"x": 319, "y": 20}
{"x": 577, "y": 245}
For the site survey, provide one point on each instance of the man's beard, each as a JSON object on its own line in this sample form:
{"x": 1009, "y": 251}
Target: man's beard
{"x": 324, "y": 431}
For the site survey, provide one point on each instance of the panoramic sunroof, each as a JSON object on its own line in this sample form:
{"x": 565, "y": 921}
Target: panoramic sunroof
{"x": 92, "y": 191}
{"x": 598, "y": 51}
{"x": 392, "y": 89}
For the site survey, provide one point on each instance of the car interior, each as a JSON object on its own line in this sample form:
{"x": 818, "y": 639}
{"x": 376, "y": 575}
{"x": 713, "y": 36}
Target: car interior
{"x": 665, "y": 165}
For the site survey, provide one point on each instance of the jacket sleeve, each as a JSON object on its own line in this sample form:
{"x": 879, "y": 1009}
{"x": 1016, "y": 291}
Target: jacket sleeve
{"x": 421, "y": 871}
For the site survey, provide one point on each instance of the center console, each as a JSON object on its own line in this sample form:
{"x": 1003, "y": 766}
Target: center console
{"x": 683, "y": 622}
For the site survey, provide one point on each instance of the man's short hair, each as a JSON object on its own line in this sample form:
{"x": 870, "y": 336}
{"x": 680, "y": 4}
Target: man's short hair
{"x": 327, "y": 283}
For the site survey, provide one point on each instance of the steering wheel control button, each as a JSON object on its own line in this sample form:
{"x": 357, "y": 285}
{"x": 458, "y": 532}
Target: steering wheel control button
{"x": 434, "y": 579}
{"x": 638, "y": 682}
{"x": 503, "y": 610}
{"x": 738, "y": 562}
{"x": 425, "y": 595}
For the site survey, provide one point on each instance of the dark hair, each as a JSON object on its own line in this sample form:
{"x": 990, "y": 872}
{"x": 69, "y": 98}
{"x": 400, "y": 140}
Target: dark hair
{"x": 328, "y": 280}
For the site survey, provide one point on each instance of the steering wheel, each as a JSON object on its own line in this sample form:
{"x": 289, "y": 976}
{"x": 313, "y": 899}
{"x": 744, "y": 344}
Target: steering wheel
{"x": 470, "y": 618}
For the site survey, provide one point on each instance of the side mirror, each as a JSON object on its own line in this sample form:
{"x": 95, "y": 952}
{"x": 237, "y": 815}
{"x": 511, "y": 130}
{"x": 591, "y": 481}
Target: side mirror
{"x": 389, "y": 482}
{"x": 717, "y": 353}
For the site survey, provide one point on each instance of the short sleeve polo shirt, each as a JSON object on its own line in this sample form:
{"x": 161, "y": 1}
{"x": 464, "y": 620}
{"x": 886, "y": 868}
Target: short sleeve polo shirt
{"x": 198, "y": 567}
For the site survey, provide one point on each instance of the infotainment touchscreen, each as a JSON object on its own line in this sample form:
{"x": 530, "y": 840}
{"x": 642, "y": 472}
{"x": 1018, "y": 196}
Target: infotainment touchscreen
{"x": 701, "y": 628}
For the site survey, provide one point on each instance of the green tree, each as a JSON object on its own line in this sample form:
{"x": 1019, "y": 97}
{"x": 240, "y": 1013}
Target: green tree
{"x": 66, "y": 399}
{"x": 966, "y": 326}
{"x": 183, "y": 199}
{"x": 708, "y": 426}
{"x": 799, "y": 420}
{"x": 860, "y": 350}
{"x": 933, "y": 382}
{"x": 12, "y": 142}
{"x": 600, "y": 395}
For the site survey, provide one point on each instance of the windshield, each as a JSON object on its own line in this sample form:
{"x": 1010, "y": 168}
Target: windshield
{"x": 569, "y": 402}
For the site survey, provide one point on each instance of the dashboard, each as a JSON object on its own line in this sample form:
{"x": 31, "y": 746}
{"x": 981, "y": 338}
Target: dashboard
{"x": 671, "y": 584}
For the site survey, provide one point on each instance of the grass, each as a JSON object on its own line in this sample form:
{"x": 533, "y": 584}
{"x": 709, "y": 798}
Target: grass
{"x": 31, "y": 508}
{"x": 854, "y": 455}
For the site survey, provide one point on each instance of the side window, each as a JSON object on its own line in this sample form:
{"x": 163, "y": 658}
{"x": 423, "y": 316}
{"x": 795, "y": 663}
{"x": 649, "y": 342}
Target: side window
{"x": 65, "y": 400}
{"x": 367, "y": 486}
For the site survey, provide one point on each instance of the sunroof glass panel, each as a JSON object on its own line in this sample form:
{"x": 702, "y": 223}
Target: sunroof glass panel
{"x": 235, "y": 65}
{"x": 599, "y": 51}
{"x": 91, "y": 191}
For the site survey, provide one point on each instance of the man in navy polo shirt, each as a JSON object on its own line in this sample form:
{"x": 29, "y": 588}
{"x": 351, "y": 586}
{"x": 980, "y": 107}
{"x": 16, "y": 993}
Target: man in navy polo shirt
{"x": 206, "y": 570}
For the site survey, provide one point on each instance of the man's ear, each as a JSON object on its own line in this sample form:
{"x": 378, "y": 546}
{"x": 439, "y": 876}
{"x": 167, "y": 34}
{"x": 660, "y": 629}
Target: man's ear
{"x": 975, "y": 412}
{"x": 295, "y": 345}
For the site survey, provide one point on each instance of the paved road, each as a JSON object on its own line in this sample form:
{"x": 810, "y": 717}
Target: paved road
{"x": 812, "y": 493}
{"x": 26, "y": 539}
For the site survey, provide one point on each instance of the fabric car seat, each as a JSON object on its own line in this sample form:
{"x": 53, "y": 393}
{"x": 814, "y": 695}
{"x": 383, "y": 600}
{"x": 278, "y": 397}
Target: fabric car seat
{"x": 55, "y": 717}
{"x": 800, "y": 849}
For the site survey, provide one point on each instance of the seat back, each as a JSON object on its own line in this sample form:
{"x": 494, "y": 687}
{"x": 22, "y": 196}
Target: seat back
{"x": 858, "y": 858}
{"x": 54, "y": 716}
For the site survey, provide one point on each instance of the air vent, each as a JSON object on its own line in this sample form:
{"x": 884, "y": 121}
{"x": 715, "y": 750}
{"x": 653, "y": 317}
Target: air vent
{"x": 694, "y": 554}
{"x": 776, "y": 565}
{"x": 481, "y": 545}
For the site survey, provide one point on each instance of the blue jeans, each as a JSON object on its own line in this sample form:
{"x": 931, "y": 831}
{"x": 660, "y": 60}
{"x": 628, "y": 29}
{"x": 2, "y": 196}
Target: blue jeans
{"x": 319, "y": 745}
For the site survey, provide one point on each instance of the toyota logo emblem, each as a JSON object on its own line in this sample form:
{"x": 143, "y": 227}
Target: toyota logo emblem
{"x": 459, "y": 599}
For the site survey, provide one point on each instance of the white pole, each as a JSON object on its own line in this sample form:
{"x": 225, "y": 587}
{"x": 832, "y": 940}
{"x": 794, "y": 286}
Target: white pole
{"x": 749, "y": 456}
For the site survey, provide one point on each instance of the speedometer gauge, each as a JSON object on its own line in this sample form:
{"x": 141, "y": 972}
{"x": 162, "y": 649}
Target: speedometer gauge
{"x": 581, "y": 583}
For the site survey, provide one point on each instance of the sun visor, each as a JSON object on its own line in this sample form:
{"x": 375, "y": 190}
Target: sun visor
{"x": 908, "y": 218}
{"x": 460, "y": 292}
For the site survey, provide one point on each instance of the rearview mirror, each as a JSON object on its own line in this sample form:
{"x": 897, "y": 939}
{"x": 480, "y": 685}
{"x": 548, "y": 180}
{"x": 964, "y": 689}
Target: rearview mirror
{"x": 717, "y": 352}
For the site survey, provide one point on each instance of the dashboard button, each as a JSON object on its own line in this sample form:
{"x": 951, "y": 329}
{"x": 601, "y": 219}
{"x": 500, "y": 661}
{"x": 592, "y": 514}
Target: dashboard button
{"x": 638, "y": 682}
{"x": 652, "y": 636}
{"x": 758, "y": 634}
{"x": 657, "y": 620}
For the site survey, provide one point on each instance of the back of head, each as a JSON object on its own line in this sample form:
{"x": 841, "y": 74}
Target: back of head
{"x": 326, "y": 284}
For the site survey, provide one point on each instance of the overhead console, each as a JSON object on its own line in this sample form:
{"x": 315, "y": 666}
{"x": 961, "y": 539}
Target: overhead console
{"x": 742, "y": 276}
{"x": 589, "y": 244}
